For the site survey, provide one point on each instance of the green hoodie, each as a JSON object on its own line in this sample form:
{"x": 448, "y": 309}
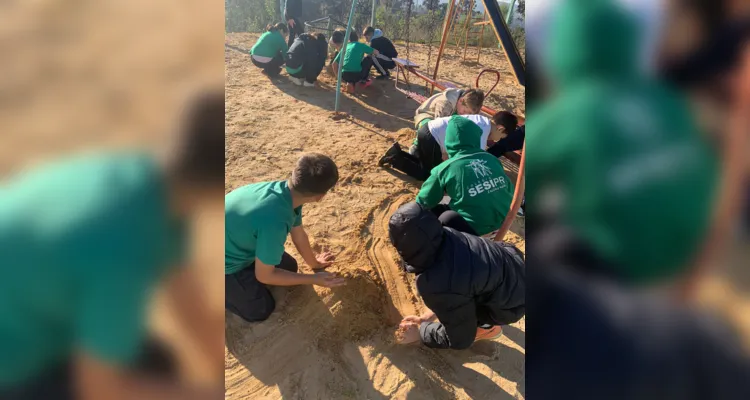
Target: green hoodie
{"x": 474, "y": 179}
{"x": 637, "y": 177}
{"x": 270, "y": 44}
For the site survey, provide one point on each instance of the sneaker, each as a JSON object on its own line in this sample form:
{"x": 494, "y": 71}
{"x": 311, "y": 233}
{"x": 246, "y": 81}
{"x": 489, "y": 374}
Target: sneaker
{"x": 489, "y": 334}
{"x": 366, "y": 83}
{"x": 296, "y": 81}
{"x": 308, "y": 84}
{"x": 388, "y": 157}
{"x": 521, "y": 212}
{"x": 413, "y": 150}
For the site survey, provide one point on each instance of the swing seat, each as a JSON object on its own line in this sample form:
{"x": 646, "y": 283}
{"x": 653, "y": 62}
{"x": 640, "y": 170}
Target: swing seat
{"x": 404, "y": 63}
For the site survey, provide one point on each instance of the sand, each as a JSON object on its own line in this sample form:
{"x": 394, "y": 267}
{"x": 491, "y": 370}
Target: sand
{"x": 339, "y": 343}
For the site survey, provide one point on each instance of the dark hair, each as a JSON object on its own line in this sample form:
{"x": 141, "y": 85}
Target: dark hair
{"x": 473, "y": 98}
{"x": 321, "y": 37}
{"x": 338, "y": 36}
{"x": 353, "y": 37}
{"x": 368, "y": 31}
{"x": 314, "y": 174}
{"x": 276, "y": 28}
{"x": 507, "y": 120}
{"x": 197, "y": 158}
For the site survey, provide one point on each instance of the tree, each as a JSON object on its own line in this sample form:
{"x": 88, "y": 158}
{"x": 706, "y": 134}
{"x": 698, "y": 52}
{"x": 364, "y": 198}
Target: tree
{"x": 522, "y": 7}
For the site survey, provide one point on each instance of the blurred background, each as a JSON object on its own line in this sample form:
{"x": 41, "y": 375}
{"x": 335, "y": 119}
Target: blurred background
{"x": 94, "y": 77}
{"x": 638, "y": 199}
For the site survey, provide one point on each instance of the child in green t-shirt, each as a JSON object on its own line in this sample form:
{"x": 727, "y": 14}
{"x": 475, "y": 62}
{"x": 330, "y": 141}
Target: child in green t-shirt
{"x": 270, "y": 51}
{"x": 356, "y": 69}
{"x": 258, "y": 218}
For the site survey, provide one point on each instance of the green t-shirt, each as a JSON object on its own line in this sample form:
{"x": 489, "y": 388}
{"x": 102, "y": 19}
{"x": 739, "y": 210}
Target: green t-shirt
{"x": 257, "y": 219}
{"x": 270, "y": 44}
{"x": 475, "y": 180}
{"x": 82, "y": 244}
{"x": 353, "y": 58}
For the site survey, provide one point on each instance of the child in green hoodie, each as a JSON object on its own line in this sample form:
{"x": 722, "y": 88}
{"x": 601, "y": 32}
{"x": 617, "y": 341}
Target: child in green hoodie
{"x": 475, "y": 180}
{"x": 270, "y": 51}
{"x": 621, "y": 149}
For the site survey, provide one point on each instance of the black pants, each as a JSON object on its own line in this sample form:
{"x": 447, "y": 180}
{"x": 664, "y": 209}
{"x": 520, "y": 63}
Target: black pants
{"x": 428, "y": 156}
{"x": 299, "y": 28}
{"x": 387, "y": 65}
{"x": 452, "y": 219}
{"x": 362, "y": 75}
{"x": 155, "y": 360}
{"x": 273, "y": 67}
{"x": 248, "y": 298}
{"x": 312, "y": 66}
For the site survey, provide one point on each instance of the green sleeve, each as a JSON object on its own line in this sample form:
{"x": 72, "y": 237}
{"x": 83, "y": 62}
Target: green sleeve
{"x": 298, "y": 220}
{"x": 431, "y": 192}
{"x": 365, "y": 48}
{"x": 270, "y": 244}
{"x": 112, "y": 312}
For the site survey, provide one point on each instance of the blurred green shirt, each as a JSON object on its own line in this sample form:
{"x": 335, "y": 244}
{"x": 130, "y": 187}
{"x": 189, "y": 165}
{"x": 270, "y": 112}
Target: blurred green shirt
{"x": 355, "y": 51}
{"x": 82, "y": 243}
{"x": 257, "y": 217}
{"x": 635, "y": 176}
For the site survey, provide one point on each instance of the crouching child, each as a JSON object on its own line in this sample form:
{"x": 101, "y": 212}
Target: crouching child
{"x": 471, "y": 285}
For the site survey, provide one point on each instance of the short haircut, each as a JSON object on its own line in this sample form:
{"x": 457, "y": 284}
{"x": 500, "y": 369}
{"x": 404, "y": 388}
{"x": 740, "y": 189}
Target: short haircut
{"x": 314, "y": 174}
{"x": 338, "y": 36}
{"x": 507, "y": 120}
{"x": 473, "y": 98}
{"x": 368, "y": 31}
{"x": 353, "y": 37}
{"x": 280, "y": 27}
{"x": 197, "y": 158}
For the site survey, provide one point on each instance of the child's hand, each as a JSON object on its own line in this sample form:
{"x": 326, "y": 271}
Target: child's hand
{"x": 324, "y": 260}
{"x": 408, "y": 332}
{"x": 328, "y": 280}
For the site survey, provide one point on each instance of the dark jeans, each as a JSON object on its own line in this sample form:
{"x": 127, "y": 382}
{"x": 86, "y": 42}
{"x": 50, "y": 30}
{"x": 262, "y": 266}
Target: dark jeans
{"x": 156, "y": 361}
{"x": 452, "y": 219}
{"x": 428, "y": 156}
{"x": 298, "y": 29}
{"x": 273, "y": 67}
{"x": 362, "y": 75}
{"x": 246, "y": 297}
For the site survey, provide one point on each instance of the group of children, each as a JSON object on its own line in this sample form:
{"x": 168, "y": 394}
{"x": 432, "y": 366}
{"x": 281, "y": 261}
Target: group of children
{"x": 305, "y": 55}
{"x": 456, "y": 153}
{"x": 470, "y": 285}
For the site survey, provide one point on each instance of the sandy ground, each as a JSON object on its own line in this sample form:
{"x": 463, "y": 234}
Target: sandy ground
{"x": 338, "y": 343}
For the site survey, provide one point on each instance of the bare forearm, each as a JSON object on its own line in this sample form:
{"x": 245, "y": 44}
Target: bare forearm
{"x": 302, "y": 243}
{"x": 280, "y": 277}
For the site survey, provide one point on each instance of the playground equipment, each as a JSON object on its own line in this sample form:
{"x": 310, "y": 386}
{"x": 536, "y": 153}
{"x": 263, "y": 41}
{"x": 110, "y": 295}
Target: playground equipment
{"x": 405, "y": 67}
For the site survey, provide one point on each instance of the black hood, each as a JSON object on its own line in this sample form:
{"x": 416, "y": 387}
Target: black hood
{"x": 417, "y": 235}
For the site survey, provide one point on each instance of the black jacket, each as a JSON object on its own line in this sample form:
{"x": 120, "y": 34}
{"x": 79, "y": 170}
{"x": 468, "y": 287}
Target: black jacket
{"x": 307, "y": 51}
{"x": 384, "y": 46}
{"x": 293, "y": 9}
{"x": 512, "y": 142}
{"x": 296, "y": 53}
{"x": 466, "y": 280}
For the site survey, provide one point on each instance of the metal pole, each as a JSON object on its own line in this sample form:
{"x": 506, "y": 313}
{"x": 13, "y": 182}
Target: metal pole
{"x": 446, "y": 24}
{"x": 510, "y": 12}
{"x": 372, "y": 18}
{"x": 342, "y": 54}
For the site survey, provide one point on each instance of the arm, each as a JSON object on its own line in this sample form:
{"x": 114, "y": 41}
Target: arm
{"x": 458, "y": 322}
{"x": 431, "y": 192}
{"x": 95, "y": 379}
{"x": 302, "y": 243}
{"x": 187, "y": 298}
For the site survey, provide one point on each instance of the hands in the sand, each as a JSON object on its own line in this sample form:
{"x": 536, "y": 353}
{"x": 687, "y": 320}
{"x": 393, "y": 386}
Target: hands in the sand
{"x": 323, "y": 260}
{"x": 426, "y": 317}
{"x": 328, "y": 279}
{"x": 408, "y": 332}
